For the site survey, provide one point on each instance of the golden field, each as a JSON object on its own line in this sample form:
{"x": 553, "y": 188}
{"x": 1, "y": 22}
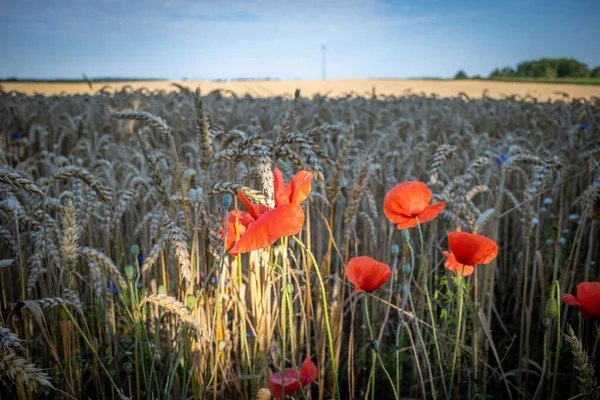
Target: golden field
{"x": 474, "y": 89}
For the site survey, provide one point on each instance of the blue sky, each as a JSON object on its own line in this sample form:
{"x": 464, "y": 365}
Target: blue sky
{"x": 200, "y": 39}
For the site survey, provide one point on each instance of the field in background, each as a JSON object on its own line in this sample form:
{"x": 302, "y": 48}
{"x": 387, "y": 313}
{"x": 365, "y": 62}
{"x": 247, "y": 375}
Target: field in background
{"x": 334, "y": 88}
{"x": 114, "y": 280}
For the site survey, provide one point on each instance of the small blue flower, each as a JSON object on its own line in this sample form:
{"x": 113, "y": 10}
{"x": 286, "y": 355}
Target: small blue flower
{"x": 500, "y": 159}
{"x": 15, "y": 136}
{"x": 225, "y": 282}
{"x": 213, "y": 280}
{"x": 140, "y": 259}
{"x": 583, "y": 127}
{"x": 111, "y": 287}
{"x": 251, "y": 333}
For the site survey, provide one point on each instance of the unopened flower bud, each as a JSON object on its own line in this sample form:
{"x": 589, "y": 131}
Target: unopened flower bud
{"x": 405, "y": 235}
{"x": 162, "y": 289}
{"x": 135, "y": 250}
{"x": 395, "y": 250}
{"x": 406, "y": 269}
{"x": 375, "y": 345}
{"x": 226, "y": 200}
{"x": 551, "y": 308}
{"x": 129, "y": 272}
{"x": 190, "y": 301}
{"x": 546, "y": 322}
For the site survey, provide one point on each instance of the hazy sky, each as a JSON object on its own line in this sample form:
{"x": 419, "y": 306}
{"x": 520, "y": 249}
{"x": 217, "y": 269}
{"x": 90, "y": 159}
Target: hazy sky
{"x": 200, "y": 39}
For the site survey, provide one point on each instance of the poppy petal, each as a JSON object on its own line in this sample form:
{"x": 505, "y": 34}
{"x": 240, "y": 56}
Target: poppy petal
{"x": 588, "y": 296}
{"x": 407, "y": 199}
{"x": 405, "y": 222}
{"x": 308, "y": 372}
{"x": 451, "y": 262}
{"x": 300, "y": 186}
{"x": 290, "y": 383}
{"x": 471, "y": 249}
{"x": 269, "y": 227}
{"x": 255, "y": 210}
{"x": 367, "y": 274}
{"x": 465, "y": 270}
{"x": 237, "y": 223}
{"x": 282, "y": 196}
{"x": 431, "y": 212}
{"x": 569, "y": 299}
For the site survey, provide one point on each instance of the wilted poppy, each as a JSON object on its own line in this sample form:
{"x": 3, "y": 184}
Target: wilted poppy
{"x": 287, "y": 218}
{"x": 307, "y": 374}
{"x": 467, "y": 250}
{"x": 587, "y": 299}
{"x": 407, "y": 201}
{"x": 238, "y": 222}
{"x": 367, "y": 274}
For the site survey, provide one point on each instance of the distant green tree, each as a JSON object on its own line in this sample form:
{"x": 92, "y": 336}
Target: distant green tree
{"x": 545, "y": 68}
{"x": 595, "y": 73}
{"x": 461, "y": 75}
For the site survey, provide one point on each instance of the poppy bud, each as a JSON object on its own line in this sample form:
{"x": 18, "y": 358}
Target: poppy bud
{"x": 265, "y": 256}
{"x": 406, "y": 269}
{"x": 191, "y": 301}
{"x": 375, "y": 345}
{"x": 551, "y": 308}
{"x": 395, "y": 250}
{"x": 546, "y": 322}
{"x": 405, "y": 235}
{"x": 226, "y": 200}
{"x": 129, "y": 272}
{"x": 127, "y": 367}
{"x": 135, "y": 250}
{"x": 162, "y": 289}
{"x": 222, "y": 345}
{"x": 290, "y": 288}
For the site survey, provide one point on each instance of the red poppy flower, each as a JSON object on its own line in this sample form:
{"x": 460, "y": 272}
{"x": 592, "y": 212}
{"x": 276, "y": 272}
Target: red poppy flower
{"x": 296, "y": 192}
{"x": 239, "y": 221}
{"x": 467, "y": 250}
{"x": 367, "y": 274}
{"x": 587, "y": 300}
{"x": 307, "y": 374}
{"x": 408, "y": 200}
{"x": 287, "y": 218}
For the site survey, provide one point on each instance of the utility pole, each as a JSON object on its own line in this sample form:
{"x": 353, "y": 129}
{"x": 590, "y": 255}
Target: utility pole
{"x": 323, "y": 61}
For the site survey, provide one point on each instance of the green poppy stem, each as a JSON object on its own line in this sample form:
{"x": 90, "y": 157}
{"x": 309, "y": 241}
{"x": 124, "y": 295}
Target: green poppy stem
{"x": 430, "y": 309}
{"x": 326, "y": 317}
{"x": 374, "y": 347}
{"x": 460, "y": 307}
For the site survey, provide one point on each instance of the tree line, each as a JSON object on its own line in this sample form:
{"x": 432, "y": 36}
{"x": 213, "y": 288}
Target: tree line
{"x": 549, "y": 68}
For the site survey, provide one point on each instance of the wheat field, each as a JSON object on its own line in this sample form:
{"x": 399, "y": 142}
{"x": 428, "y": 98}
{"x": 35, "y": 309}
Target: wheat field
{"x": 117, "y": 280}
{"x": 335, "y": 88}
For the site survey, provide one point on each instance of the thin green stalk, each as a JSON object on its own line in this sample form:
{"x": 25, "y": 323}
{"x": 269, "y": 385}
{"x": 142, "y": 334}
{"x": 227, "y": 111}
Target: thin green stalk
{"x": 290, "y": 321}
{"x": 283, "y": 319}
{"x": 326, "y": 317}
{"x": 91, "y": 347}
{"x": 556, "y": 293}
{"x": 375, "y": 348}
{"x": 460, "y": 307}
{"x": 430, "y": 309}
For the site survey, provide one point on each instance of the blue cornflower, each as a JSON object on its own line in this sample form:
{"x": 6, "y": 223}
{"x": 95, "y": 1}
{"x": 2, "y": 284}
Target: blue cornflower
{"x": 15, "y": 136}
{"x": 225, "y": 282}
{"x": 500, "y": 159}
{"x": 111, "y": 287}
{"x": 583, "y": 127}
{"x": 140, "y": 259}
{"x": 251, "y": 333}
